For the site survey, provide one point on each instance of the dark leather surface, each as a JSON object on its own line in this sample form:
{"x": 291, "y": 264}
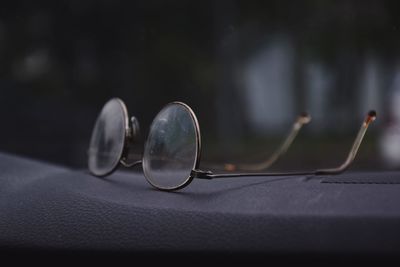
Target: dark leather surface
{"x": 43, "y": 206}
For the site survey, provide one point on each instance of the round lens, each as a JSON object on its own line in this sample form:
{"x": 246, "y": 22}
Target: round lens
{"x": 172, "y": 147}
{"x": 108, "y": 138}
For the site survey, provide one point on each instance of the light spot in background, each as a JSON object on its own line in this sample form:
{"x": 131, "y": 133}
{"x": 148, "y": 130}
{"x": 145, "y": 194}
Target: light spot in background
{"x": 370, "y": 90}
{"x": 390, "y": 146}
{"x": 390, "y": 138}
{"x": 319, "y": 84}
{"x": 395, "y": 98}
{"x": 268, "y": 80}
{"x": 33, "y": 65}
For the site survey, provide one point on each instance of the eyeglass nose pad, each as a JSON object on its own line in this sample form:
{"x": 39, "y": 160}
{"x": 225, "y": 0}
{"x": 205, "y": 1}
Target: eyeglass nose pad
{"x": 135, "y": 128}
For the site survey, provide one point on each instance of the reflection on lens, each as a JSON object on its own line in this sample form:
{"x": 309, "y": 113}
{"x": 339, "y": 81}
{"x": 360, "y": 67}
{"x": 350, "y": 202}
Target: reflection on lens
{"x": 108, "y": 137}
{"x": 171, "y": 148}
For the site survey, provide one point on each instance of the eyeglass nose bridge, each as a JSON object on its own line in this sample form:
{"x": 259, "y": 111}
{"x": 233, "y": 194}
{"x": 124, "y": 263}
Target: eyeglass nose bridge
{"x": 133, "y": 131}
{"x": 132, "y": 136}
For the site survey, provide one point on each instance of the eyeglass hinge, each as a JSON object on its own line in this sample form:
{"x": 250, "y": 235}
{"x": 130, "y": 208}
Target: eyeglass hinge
{"x": 201, "y": 174}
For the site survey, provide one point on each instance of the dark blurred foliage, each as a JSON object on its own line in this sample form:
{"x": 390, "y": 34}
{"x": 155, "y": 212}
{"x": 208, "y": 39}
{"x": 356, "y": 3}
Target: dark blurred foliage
{"x": 61, "y": 60}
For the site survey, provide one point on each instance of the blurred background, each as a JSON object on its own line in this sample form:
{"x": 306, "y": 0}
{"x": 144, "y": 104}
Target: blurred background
{"x": 247, "y": 68}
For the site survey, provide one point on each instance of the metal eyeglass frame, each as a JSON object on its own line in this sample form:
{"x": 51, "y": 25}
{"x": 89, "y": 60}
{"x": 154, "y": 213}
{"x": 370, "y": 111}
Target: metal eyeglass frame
{"x": 201, "y": 174}
{"x": 132, "y": 132}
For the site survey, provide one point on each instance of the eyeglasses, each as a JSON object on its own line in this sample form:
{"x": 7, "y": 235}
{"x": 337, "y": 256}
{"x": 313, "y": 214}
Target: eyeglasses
{"x": 171, "y": 156}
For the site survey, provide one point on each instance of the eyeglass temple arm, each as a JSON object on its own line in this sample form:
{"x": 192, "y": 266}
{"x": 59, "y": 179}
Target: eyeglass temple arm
{"x": 371, "y": 116}
{"x": 301, "y": 120}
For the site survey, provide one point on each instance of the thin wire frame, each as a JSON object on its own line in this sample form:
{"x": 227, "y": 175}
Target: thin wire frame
{"x": 201, "y": 174}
